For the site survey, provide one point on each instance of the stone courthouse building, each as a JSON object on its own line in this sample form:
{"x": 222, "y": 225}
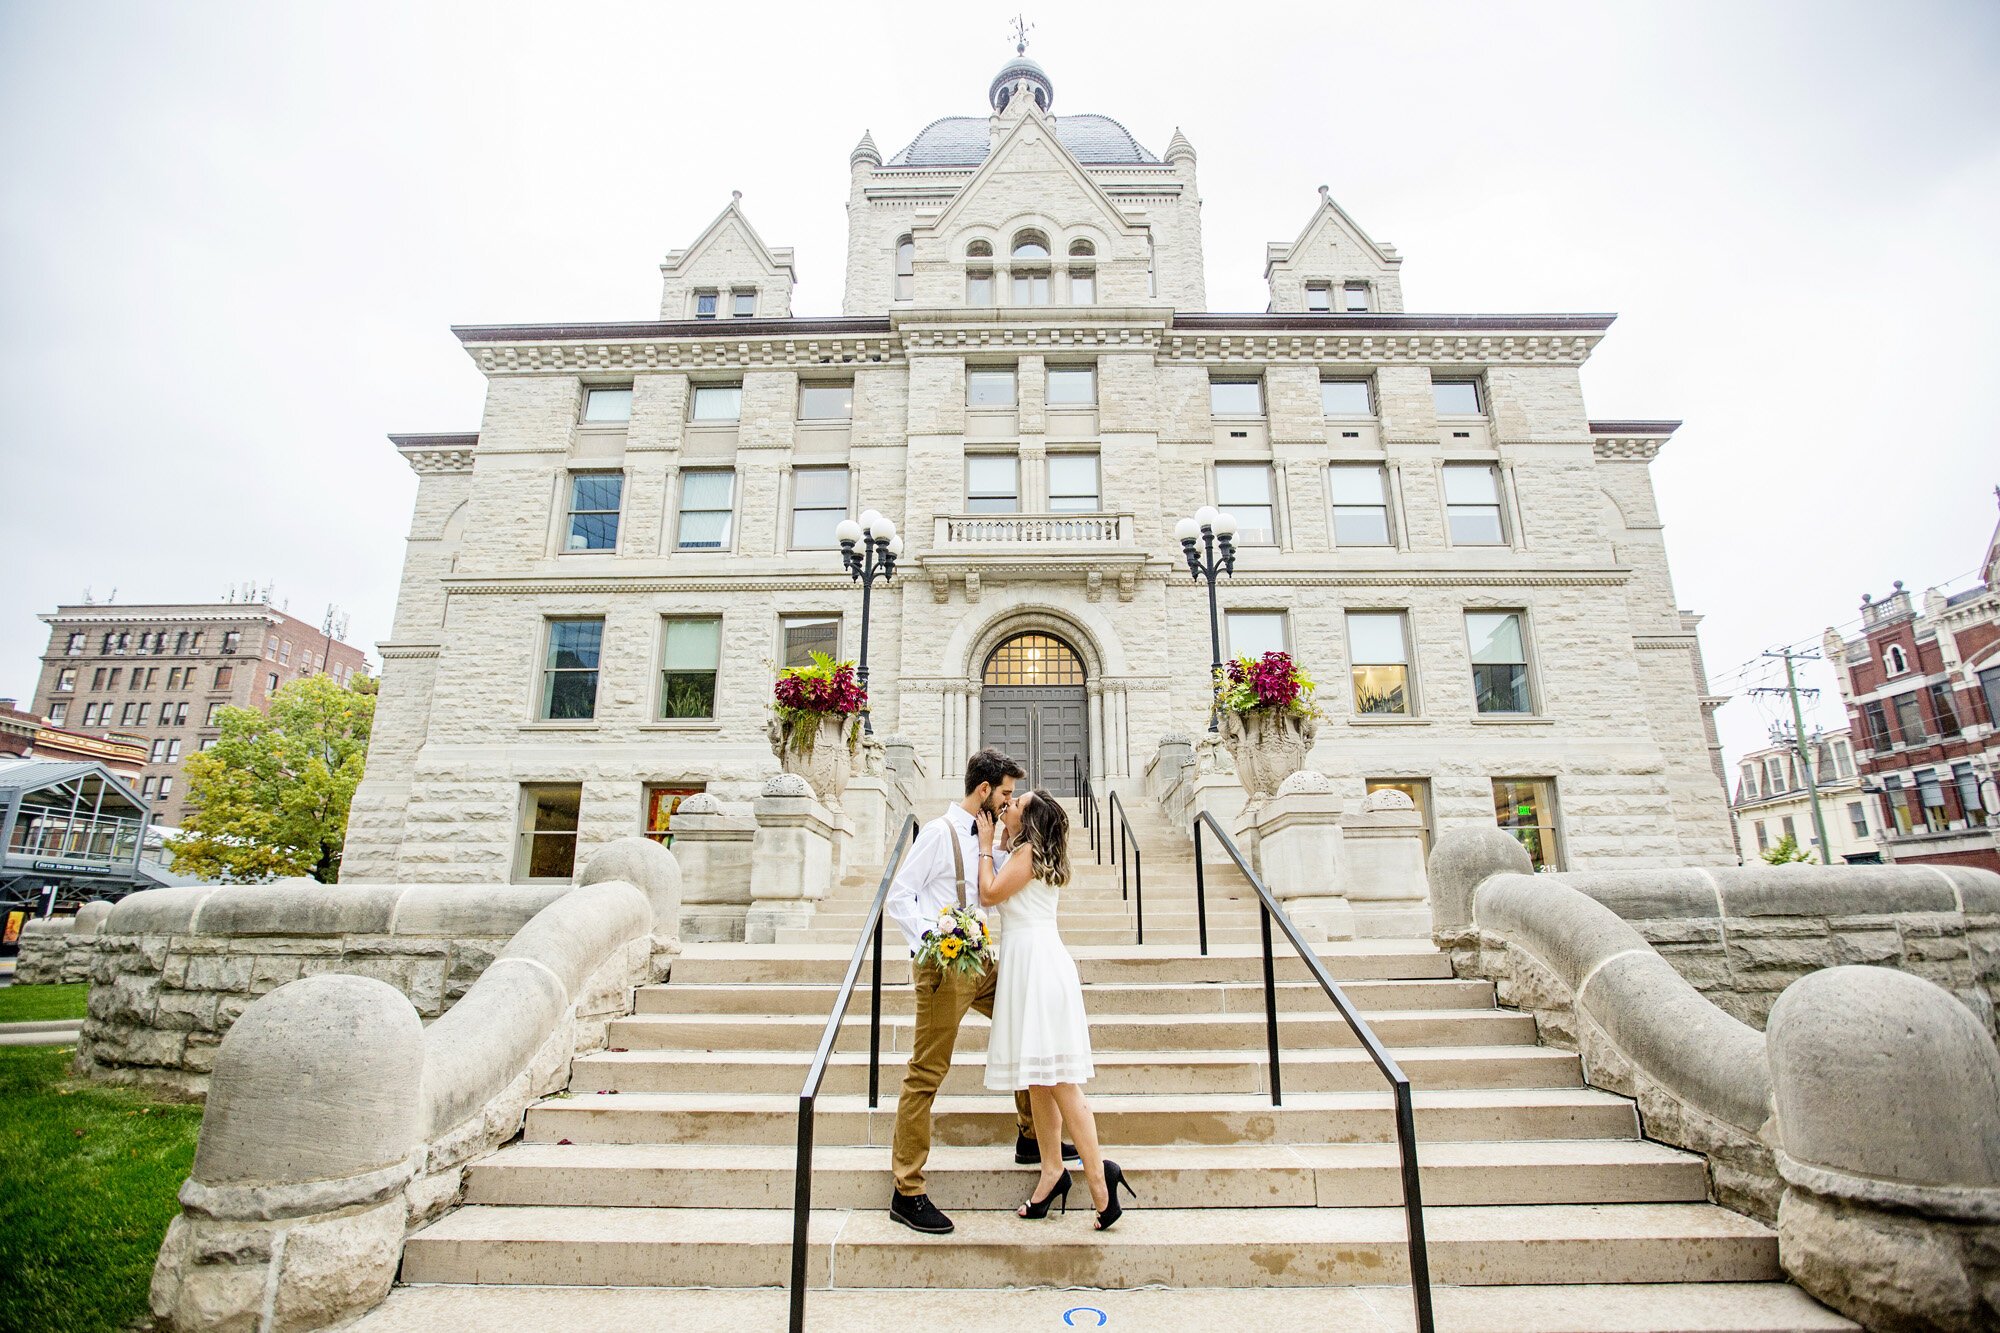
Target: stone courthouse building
{"x": 1027, "y": 377}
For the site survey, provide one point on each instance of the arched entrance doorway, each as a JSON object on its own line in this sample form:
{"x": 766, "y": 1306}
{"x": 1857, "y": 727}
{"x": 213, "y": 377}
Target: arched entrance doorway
{"x": 1031, "y": 704}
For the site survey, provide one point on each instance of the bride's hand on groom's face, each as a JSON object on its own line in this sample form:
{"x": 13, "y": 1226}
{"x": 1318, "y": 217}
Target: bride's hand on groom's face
{"x": 982, "y": 824}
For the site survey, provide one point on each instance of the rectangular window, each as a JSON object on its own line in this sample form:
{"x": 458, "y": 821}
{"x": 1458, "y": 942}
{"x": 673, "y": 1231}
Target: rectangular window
{"x": 1319, "y": 298}
{"x": 1931, "y": 791}
{"x": 174, "y": 674}
{"x": 223, "y": 675}
{"x": 1857, "y": 816}
{"x": 1360, "y": 504}
{"x": 144, "y": 711}
{"x": 1763, "y": 837}
{"x": 1472, "y": 504}
{"x": 58, "y": 714}
{"x": 214, "y": 715}
{"x": 743, "y": 304}
{"x": 1031, "y": 289}
{"x": 1967, "y": 783}
{"x": 1456, "y": 398}
{"x": 1354, "y": 296}
{"x": 284, "y": 655}
{"x": 1893, "y": 798}
{"x": 232, "y": 641}
{"x": 718, "y": 402}
{"x": 594, "y": 499}
{"x": 1942, "y": 710}
{"x": 1254, "y": 633}
{"x": 173, "y": 752}
{"x": 819, "y": 503}
{"x": 826, "y": 402}
{"x": 989, "y": 388}
{"x": 166, "y": 787}
{"x": 75, "y": 648}
{"x": 1989, "y": 685}
{"x": 153, "y": 673}
{"x": 992, "y": 484}
{"x": 1526, "y": 808}
{"x": 1378, "y": 647}
{"x": 979, "y": 288}
{"x": 1790, "y": 831}
{"x": 1345, "y": 398}
{"x": 97, "y": 679}
{"x": 270, "y": 650}
{"x": 799, "y": 637}
{"x": 1235, "y": 398}
{"x": 1499, "y": 662}
{"x": 194, "y": 642}
{"x": 1909, "y": 719}
{"x": 1878, "y": 726}
{"x": 180, "y": 715}
{"x": 705, "y": 304}
{"x": 661, "y": 805}
{"x": 66, "y": 678}
{"x": 1083, "y": 286}
{"x": 1419, "y": 792}
{"x": 708, "y": 503}
{"x": 116, "y": 673}
{"x": 608, "y": 404}
{"x": 688, "y": 660}
{"x": 90, "y": 715}
{"x": 569, "y": 669}
{"x": 1774, "y": 776}
{"x": 549, "y": 817}
{"x": 271, "y": 683}
{"x": 1749, "y": 782}
{"x": 1073, "y": 486}
{"x": 1072, "y": 386}
{"x": 1244, "y": 491}
{"x": 146, "y": 788}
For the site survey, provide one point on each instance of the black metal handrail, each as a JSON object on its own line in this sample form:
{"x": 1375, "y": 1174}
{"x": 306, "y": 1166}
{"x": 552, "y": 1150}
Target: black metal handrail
{"x": 1086, "y": 801}
{"x": 1128, "y": 845}
{"x": 1399, "y": 1082}
{"x": 802, "y": 1170}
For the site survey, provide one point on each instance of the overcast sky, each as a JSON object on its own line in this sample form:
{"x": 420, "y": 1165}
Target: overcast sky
{"x": 233, "y": 237}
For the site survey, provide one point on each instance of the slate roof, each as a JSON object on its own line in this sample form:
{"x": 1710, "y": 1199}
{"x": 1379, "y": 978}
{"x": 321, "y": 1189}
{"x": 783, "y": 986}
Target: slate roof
{"x": 961, "y": 141}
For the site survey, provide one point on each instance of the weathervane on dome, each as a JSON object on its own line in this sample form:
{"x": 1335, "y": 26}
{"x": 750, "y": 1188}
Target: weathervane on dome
{"x": 1021, "y": 30}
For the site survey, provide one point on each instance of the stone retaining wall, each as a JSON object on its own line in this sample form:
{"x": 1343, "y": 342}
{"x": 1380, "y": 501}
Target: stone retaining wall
{"x": 56, "y": 950}
{"x": 1741, "y": 935}
{"x": 171, "y": 970}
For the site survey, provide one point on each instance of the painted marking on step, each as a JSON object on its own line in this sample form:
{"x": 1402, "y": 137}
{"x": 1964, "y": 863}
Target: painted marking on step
{"x": 1069, "y": 1316}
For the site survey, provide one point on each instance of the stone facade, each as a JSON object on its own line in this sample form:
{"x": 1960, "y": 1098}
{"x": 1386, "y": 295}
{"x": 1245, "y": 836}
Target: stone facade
{"x": 1614, "y": 727}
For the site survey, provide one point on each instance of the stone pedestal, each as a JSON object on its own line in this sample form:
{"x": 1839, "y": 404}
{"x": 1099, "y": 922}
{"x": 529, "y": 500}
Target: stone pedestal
{"x": 866, "y": 805}
{"x": 1217, "y": 790}
{"x": 1301, "y": 856}
{"x": 714, "y": 850}
{"x": 791, "y": 859}
{"x": 1382, "y": 871}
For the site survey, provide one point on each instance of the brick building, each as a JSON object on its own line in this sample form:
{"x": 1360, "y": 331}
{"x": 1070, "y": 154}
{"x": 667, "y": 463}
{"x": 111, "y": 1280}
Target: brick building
{"x": 1026, "y": 377}
{"x": 24, "y": 735}
{"x": 1922, "y": 687}
{"x": 162, "y": 673}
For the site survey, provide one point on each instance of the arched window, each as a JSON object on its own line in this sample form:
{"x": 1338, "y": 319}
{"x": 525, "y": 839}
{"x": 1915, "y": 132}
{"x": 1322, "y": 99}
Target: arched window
{"x": 1031, "y": 245}
{"x": 1898, "y": 663}
{"x": 979, "y": 250}
{"x": 1034, "y": 659}
{"x": 1083, "y": 249}
{"x": 906, "y": 269}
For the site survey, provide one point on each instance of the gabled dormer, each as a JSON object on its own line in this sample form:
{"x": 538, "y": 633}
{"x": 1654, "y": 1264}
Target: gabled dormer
{"x": 1333, "y": 266}
{"x": 728, "y": 273}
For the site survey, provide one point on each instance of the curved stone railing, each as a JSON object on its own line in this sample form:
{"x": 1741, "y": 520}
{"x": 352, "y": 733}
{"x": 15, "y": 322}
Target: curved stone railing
{"x": 337, "y": 1122}
{"x": 1864, "y": 1122}
{"x": 56, "y": 950}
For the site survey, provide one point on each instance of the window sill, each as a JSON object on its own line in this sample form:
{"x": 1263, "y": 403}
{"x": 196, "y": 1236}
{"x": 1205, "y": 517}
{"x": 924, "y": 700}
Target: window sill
{"x": 593, "y": 550}
{"x": 581, "y": 724}
{"x": 682, "y": 724}
{"x": 1388, "y": 721}
{"x": 1512, "y": 720}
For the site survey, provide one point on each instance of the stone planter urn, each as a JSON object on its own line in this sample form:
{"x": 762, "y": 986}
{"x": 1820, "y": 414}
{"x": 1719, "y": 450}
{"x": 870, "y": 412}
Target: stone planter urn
{"x": 1267, "y": 746}
{"x": 826, "y": 763}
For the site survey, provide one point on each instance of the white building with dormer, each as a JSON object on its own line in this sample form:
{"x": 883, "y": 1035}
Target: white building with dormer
{"x": 602, "y": 578}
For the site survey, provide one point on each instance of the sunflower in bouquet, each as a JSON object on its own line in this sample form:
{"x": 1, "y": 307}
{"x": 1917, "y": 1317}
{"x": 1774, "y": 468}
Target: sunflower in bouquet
{"x": 958, "y": 942}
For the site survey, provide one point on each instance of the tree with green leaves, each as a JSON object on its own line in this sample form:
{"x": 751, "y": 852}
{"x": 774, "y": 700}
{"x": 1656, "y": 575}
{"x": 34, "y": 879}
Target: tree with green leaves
{"x": 270, "y": 797}
{"x": 1786, "y": 852}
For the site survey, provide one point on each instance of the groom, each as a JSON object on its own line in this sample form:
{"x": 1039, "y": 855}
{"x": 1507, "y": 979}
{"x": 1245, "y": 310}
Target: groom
{"x": 941, "y": 871}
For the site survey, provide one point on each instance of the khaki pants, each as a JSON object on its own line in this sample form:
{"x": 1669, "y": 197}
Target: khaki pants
{"x": 942, "y": 999}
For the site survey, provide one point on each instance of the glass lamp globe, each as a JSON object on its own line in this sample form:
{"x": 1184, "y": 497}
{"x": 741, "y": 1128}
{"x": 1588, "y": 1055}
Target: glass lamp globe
{"x": 1186, "y": 530}
{"x": 896, "y": 546}
{"x": 1225, "y": 526}
{"x": 1206, "y": 515}
{"x": 848, "y": 532}
{"x": 871, "y": 521}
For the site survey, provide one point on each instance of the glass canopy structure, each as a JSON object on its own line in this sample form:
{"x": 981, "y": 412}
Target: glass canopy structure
{"x": 75, "y": 826}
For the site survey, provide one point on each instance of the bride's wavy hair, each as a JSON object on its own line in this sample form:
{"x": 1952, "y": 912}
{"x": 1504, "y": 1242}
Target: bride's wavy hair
{"x": 1045, "y": 828}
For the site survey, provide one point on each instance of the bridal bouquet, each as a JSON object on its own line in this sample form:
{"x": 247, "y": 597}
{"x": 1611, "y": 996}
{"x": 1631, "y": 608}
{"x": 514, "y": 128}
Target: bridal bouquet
{"x": 959, "y": 942}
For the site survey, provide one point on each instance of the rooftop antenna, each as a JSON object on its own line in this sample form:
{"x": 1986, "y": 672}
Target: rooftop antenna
{"x": 88, "y": 600}
{"x": 1021, "y": 30}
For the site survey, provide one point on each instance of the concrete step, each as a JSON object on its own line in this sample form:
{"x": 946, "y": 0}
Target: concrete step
{"x": 1714, "y": 1307}
{"x": 1160, "y": 964}
{"x": 1465, "y": 1115}
{"x": 1108, "y": 1032}
{"x": 1099, "y": 997}
{"x": 1361, "y": 1175}
{"x": 1261, "y": 1247}
{"x": 1185, "y": 938}
{"x": 1117, "y": 1071}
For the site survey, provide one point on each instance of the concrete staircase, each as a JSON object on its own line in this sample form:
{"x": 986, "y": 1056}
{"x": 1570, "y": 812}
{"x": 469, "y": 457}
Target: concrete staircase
{"x": 657, "y": 1191}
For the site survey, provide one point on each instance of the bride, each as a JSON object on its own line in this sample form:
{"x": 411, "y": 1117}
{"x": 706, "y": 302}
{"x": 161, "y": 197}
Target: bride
{"x": 1041, "y": 1038}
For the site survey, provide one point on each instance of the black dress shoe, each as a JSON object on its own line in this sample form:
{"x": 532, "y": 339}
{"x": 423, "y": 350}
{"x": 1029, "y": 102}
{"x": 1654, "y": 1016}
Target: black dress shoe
{"x": 918, "y": 1213}
{"x": 1027, "y": 1152}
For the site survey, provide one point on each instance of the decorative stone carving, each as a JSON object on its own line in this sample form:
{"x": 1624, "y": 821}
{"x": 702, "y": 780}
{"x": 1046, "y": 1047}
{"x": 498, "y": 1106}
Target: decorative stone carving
{"x": 1306, "y": 782}
{"x": 826, "y": 764}
{"x": 787, "y": 784}
{"x": 701, "y": 803}
{"x": 1267, "y": 746}
{"x": 1388, "y": 798}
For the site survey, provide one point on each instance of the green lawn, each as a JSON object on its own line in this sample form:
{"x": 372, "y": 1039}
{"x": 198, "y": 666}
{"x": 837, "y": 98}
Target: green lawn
{"x": 88, "y": 1178}
{"x": 41, "y": 1004}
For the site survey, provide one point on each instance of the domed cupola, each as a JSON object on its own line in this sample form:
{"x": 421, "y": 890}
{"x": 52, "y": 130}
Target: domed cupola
{"x": 1017, "y": 73}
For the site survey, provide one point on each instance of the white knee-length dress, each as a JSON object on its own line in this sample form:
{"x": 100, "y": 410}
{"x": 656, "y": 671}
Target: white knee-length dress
{"x": 1040, "y": 1034}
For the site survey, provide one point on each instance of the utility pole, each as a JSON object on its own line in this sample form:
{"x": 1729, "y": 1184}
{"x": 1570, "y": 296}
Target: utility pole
{"x": 1799, "y": 743}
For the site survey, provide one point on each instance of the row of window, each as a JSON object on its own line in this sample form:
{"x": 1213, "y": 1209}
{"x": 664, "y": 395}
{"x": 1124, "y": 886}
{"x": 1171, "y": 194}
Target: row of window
{"x": 1786, "y": 827}
{"x": 1230, "y": 396}
{"x": 550, "y": 815}
{"x": 119, "y": 642}
{"x": 1780, "y": 773}
{"x": 144, "y": 678}
{"x": 172, "y": 714}
{"x": 1364, "y": 502}
{"x": 1912, "y": 727}
{"x": 1354, "y": 296}
{"x": 708, "y": 302}
{"x": 161, "y": 787}
{"x": 1937, "y": 800}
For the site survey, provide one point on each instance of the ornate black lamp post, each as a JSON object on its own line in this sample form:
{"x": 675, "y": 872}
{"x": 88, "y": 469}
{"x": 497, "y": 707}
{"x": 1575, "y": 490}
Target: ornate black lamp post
{"x": 1216, "y": 554}
{"x": 876, "y": 559}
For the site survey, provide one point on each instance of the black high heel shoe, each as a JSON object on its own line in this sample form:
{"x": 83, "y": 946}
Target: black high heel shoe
{"x": 1114, "y": 1176}
{"x": 1060, "y": 1190}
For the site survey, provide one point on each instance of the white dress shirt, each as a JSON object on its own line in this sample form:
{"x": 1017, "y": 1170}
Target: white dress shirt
{"x": 927, "y": 883}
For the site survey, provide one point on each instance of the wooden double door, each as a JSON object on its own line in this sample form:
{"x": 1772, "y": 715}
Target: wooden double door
{"x": 1032, "y": 706}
